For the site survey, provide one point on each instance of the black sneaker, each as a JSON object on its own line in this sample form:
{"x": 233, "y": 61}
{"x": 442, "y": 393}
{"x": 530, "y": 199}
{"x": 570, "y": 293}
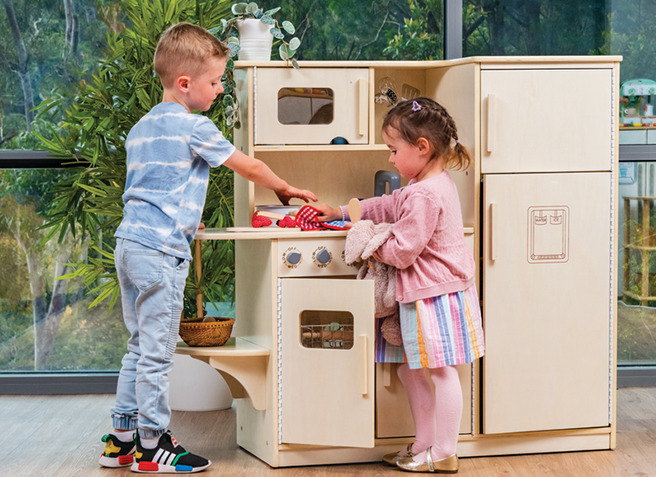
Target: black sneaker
{"x": 167, "y": 457}
{"x": 117, "y": 453}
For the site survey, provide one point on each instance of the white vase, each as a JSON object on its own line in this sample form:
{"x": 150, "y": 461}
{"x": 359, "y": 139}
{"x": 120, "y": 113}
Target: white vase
{"x": 255, "y": 40}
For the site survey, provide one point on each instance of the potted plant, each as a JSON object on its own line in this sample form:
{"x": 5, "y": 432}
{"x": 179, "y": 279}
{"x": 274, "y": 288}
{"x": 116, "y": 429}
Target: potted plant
{"x": 251, "y": 30}
{"x": 240, "y": 43}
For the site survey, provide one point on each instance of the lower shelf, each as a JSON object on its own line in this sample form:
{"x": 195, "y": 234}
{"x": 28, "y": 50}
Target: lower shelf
{"x": 242, "y": 364}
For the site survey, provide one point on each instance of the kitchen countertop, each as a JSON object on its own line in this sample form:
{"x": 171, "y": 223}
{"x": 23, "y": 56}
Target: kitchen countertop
{"x": 267, "y": 233}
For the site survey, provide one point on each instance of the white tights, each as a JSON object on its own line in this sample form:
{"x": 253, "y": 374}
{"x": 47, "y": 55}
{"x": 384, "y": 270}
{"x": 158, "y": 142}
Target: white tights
{"x": 436, "y": 412}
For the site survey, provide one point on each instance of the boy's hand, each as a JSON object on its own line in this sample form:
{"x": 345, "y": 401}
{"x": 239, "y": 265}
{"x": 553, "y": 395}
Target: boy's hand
{"x": 292, "y": 192}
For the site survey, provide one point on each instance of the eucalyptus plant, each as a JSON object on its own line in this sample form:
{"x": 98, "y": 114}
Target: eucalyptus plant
{"x": 92, "y": 137}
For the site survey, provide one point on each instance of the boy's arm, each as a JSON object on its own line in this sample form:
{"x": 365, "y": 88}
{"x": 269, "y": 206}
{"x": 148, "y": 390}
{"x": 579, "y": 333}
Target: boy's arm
{"x": 257, "y": 171}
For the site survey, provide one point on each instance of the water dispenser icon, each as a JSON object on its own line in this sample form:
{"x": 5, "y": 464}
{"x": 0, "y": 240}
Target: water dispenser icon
{"x": 548, "y": 234}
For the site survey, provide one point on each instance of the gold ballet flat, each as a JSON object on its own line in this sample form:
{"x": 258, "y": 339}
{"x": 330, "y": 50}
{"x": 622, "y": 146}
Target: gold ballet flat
{"x": 393, "y": 457}
{"x": 448, "y": 465}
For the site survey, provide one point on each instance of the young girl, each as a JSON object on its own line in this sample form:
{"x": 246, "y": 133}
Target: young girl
{"x": 438, "y": 304}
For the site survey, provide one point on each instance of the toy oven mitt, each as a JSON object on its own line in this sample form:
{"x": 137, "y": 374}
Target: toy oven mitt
{"x": 306, "y": 219}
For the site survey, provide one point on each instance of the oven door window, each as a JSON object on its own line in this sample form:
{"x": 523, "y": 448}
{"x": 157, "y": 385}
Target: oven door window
{"x": 326, "y": 329}
{"x": 305, "y": 106}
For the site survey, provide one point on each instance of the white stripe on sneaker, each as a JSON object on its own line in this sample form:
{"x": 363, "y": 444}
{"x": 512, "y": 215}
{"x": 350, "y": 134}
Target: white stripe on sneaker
{"x": 169, "y": 458}
{"x": 158, "y": 455}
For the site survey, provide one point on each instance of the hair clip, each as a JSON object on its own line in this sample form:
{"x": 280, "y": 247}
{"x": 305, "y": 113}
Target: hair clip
{"x": 416, "y": 106}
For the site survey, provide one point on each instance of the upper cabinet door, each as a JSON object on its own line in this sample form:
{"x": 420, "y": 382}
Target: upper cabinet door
{"x": 546, "y": 120}
{"x": 311, "y": 105}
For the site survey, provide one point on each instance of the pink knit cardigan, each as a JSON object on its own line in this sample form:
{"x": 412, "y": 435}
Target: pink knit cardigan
{"x": 427, "y": 244}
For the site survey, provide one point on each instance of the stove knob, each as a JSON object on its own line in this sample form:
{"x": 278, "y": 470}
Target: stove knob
{"x": 292, "y": 258}
{"x": 322, "y": 257}
{"x": 354, "y": 264}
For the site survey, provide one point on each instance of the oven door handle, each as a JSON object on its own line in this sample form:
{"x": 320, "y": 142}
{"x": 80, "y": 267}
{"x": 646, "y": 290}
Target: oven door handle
{"x": 363, "y": 348}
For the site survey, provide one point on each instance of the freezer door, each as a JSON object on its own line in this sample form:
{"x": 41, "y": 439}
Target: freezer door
{"x": 327, "y": 379}
{"x": 547, "y": 301}
{"x": 546, "y": 120}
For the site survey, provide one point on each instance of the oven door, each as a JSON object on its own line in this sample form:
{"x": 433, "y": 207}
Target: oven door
{"x": 327, "y": 380}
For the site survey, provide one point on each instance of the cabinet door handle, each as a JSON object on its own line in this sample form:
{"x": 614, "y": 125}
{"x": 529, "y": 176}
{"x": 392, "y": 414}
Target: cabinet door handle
{"x": 363, "y": 107}
{"x": 491, "y": 122}
{"x": 493, "y": 221}
{"x": 363, "y": 345}
{"x": 387, "y": 375}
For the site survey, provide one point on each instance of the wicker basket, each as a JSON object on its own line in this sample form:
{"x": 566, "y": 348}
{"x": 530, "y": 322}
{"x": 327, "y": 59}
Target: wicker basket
{"x": 195, "y": 332}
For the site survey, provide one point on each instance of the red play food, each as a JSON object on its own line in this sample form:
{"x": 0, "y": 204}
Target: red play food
{"x": 287, "y": 221}
{"x": 259, "y": 221}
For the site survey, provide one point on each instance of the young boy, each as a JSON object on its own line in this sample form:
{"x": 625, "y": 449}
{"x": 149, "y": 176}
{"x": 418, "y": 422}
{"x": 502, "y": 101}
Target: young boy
{"x": 169, "y": 153}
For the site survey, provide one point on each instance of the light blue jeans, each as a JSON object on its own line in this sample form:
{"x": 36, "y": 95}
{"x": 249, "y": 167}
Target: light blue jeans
{"x": 152, "y": 285}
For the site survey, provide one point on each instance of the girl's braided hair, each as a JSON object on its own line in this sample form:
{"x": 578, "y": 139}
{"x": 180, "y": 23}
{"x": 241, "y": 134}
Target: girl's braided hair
{"x": 423, "y": 117}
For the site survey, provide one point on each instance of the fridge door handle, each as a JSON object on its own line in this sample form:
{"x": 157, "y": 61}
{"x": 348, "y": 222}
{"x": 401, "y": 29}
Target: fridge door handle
{"x": 363, "y": 113}
{"x": 363, "y": 345}
{"x": 491, "y": 122}
{"x": 493, "y": 220}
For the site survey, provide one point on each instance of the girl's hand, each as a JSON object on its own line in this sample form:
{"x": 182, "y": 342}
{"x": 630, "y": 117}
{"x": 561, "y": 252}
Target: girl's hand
{"x": 328, "y": 213}
{"x": 291, "y": 192}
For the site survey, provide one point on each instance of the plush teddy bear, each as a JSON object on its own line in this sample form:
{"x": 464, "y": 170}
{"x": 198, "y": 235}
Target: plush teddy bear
{"x": 362, "y": 240}
{"x": 390, "y": 328}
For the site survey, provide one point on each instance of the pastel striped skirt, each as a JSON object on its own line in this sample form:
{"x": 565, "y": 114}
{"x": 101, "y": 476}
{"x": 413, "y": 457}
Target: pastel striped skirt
{"x": 442, "y": 331}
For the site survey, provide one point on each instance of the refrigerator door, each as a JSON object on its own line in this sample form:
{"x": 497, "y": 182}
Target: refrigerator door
{"x": 547, "y": 293}
{"x": 546, "y": 120}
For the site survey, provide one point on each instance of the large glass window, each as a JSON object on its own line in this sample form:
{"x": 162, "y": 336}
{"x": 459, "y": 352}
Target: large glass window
{"x": 631, "y": 33}
{"x": 636, "y": 341}
{"x": 535, "y": 27}
{"x": 46, "y": 323}
{"x": 45, "y": 48}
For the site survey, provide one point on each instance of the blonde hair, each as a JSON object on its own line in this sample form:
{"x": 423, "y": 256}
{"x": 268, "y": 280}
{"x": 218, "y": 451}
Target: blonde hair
{"x": 183, "y": 49}
{"x": 423, "y": 117}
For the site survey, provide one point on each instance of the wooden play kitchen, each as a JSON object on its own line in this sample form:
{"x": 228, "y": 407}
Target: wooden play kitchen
{"x": 538, "y": 207}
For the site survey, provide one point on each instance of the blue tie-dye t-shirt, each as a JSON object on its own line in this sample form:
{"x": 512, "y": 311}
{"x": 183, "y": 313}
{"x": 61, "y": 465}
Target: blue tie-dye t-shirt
{"x": 169, "y": 155}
